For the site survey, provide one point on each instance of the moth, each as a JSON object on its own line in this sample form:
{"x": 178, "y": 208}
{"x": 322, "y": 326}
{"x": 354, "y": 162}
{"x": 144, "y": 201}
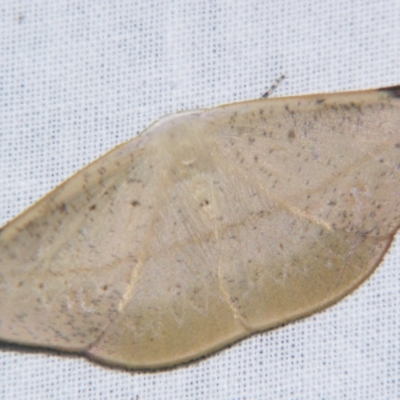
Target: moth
{"x": 209, "y": 226}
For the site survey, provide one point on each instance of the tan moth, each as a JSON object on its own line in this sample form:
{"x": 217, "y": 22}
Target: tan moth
{"x": 207, "y": 227}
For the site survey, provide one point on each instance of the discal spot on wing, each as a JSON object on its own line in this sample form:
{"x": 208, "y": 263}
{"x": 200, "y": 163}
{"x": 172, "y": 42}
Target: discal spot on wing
{"x": 209, "y": 226}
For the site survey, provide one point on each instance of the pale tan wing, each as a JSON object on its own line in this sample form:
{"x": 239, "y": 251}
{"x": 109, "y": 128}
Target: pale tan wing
{"x": 309, "y": 199}
{"x": 118, "y": 262}
{"x": 66, "y": 262}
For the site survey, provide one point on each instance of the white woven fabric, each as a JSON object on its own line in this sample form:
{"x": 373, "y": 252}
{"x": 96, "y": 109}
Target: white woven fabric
{"x": 77, "y": 78}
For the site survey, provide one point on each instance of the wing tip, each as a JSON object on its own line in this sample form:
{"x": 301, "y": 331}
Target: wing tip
{"x": 392, "y": 91}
